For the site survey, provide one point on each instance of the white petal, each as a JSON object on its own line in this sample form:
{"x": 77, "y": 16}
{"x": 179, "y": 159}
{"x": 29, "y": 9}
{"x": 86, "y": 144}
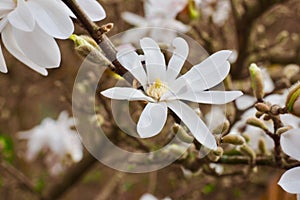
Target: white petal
{"x": 268, "y": 82}
{"x": 152, "y": 119}
{"x": 3, "y": 23}
{"x": 39, "y": 47}
{"x": 210, "y": 97}
{"x": 11, "y": 45}
{"x": 3, "y": 67}
{"x": 52, "y": 18}
{"x": 93, "y": 9}
{"x": 21, "y": 17}
{"x": 245, "y": 102}
{"x": 290, "y": 143}
{"x": 148, "y": 196}
{"x": 6, "y": 6}
{"x": 133, "y": 19}
{"x": 123, "y": 93}
{"x": 205, "y": 75}
{"x": 131, "y": 61}
{"x": 179, "y": 26}
{"x": 178, "y": 58}
{"x": 155, "y": 61}
{"x": 290, "y": 180}
{"x": 194, "y": 123}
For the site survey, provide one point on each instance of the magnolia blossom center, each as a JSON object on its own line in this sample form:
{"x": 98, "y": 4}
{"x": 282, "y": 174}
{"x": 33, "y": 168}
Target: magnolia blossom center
{"x": 157, "y": 89}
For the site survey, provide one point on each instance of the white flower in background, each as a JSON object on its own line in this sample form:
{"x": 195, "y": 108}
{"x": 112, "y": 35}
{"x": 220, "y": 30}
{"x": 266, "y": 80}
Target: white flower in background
{"x": 290, "y": 143}
{"x": 55, "y": 136}
{"x": 246, "y": 101}
{"x": 218, "y": 10}
{"x": 28, "y": 29}
{"x": 148, "y": 196}
{"x": 256, "y": 133}
{"x": 160, "y": 14}
{"x": 163, "y": 90}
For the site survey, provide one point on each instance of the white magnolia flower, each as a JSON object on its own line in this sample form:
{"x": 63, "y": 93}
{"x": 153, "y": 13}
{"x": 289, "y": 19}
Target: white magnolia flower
{"x": 290, "y": 143}
{"x": 148, "y": 196}
{"x": 163, "y": 89}
{"x": 28, "y": 29}
{"x": 218, "y": 10}
{"x": 56, "y": 136}
{"x": 157, "y": 14}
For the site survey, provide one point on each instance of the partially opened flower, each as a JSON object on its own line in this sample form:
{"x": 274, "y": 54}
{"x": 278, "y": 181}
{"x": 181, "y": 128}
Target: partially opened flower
{"x": 163, "y": 89}
{"x": 290, "y": 143}
{"x": 55, "y": 136}
{"x": 28, "y": 29}
{"x": 157, "y": 14}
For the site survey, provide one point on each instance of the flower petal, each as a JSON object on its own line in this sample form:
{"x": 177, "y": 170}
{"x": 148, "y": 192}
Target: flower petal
{"x": 290, "y": 143}
{"x": 11, "y": 45}
{"x": 93, "y": 9}
{"x": 52, "y": 17}
{"x": 21, "y": 17}
{"x": 178, "y": 58}
{"x": 131, "y": 61}
{"x": 290, "y": 180}
{"x": 124, "y": 93}
{"x": 39, "y": 47}
{"x": 194, "y": 123}
{"x": 245, "y": 102}
{"x": 210, "y": 97}
{"x": 205, "y": 75}
{"x": 6, "y": 6}
{"x": 3, "y": 67}
{"x": 134, "y": 19}
{"x": 152, "y": 119}
{"x": 155, "y": 61}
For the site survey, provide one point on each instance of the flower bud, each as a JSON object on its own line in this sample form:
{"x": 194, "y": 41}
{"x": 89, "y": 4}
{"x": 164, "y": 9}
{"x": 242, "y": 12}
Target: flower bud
{"x": 216, "y": 155}
{"x": 293, "y": 100}
{"x": 222, "y": 128}
{"x": 257, "y": 81}
{"x": 290, "y": 70}
{"x": 182, "y": 134}
{"x": 247, "y": 150}
{"x": 262, "y": 107}
{"x": 283, "y": 130}
{"x": 262, "y": 146}
{"x": 253, "y": 121}
{"x": 233, "y": 139}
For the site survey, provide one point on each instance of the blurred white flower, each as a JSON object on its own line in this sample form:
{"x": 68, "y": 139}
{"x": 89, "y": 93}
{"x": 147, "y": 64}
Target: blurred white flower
{"x": 163, "y": 90}
{"x": 28, "y": 29}
{"x": 148, "y": 196}
{"x": 159, "y": 14}
{"x": 290, "y": 143}
{"x": 218, "y": 10}
{"x": 55, "y": 136}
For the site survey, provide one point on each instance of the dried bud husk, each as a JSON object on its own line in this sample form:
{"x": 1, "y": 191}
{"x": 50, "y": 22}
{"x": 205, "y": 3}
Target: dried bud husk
{"x": 233, "y": 139}
{"x": 293, "y": 100}
{"x": 262, "y": 107}
{"x": 257, "y": 81}
{"x": 253, "y": 121}
{"x": 283, "y": 130}
{"x": 86, "y": 47}
{"x": 247, "y": 150}
{"x": 182, "y": 134}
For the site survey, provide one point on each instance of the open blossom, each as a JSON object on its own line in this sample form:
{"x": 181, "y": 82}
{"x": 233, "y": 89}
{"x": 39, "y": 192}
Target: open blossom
{"x": 163, "y": 89}
{"x": 148, "y": 196}
{"x": 290, "y": 143}
{"x": 28, "y": 29}
{"x": 55, "y": 136}
{"x": 159, "y": 14}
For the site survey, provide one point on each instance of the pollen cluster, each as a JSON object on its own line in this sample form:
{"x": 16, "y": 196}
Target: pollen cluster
{"x": 157, "y": 89}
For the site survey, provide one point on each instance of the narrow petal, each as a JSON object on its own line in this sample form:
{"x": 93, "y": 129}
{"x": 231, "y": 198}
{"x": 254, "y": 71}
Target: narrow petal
{"x": 93, "y": 9}
{"x": 52, "y": 18}
{"x": 181, "y": 51}
{"x": 179, "y": 26}
{"x": 11, "y": 45}
{"x": 6, "y": 6}
{"x": 194, "y": 123}
{"x": 245, "y": 102}
{"x": 3, "y": 67}
{"x": 123, "y": 93}
{"x": 152, "y": 119}
{"x": 155, "y": 61}
{"x": 131, "y": 61}
{"x": 210, "y": 97}
{"x": 290, "y": 143}
{"x": 290, "y": 181}
{"x": 39, "y": 47}
{"x": 134, "y": 19}
{"x": 205, "y": 75}
{"x": 21, "y": 17}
